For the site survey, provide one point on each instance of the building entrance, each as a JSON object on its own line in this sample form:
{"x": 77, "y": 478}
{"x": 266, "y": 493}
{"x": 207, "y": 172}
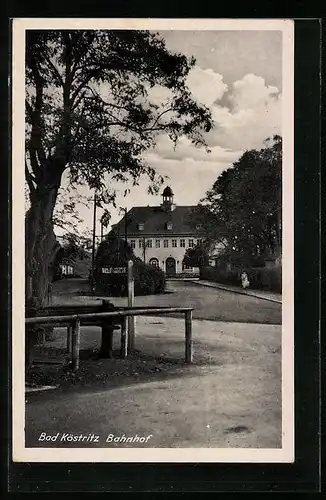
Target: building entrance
{"x": 170, "y": 267}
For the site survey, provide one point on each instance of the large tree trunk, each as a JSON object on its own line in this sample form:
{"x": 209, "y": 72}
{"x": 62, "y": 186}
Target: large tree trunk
{"x": 41, "y": 249}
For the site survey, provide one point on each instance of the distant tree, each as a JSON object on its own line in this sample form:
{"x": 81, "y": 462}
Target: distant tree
{"x": 244, "y": 207}
{"x": 88, "y": 113}
{"x": 113, "y": 252}
{"x": 196, "y": 256}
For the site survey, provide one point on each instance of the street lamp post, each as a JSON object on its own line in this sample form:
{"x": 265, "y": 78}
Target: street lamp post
{"x": 126, "y": 227}
{"x": 93, "y": 246}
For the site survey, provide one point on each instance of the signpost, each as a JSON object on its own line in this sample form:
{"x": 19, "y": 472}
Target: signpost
{"x": 131, "y": 303}
{"x": 114, "y": 270}
{"x": 131, "y": 296}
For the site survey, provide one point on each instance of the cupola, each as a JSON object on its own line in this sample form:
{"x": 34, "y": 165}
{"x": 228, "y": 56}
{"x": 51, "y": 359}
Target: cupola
{"x": 167, "y": 195}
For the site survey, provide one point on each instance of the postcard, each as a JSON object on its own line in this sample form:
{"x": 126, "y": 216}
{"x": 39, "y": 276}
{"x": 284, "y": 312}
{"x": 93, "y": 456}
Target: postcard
{"x": 152, "y": 278}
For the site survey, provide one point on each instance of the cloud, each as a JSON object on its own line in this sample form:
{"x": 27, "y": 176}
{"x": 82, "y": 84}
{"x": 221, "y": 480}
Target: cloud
{"x": 245, "y": 114}
{"x": 186, "y": 150}
{"x": 251, "y": 92}
{"x": 159, "y": 95}
{"x": 206, "y": 85}
{"x": 254, "y": 113}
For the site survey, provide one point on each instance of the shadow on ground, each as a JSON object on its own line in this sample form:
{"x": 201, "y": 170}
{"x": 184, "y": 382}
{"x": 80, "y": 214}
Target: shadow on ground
{"x": 99, "y": 373}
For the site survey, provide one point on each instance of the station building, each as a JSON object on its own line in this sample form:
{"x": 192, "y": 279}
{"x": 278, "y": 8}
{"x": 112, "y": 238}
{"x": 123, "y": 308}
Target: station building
{"x": 160, "y": 235}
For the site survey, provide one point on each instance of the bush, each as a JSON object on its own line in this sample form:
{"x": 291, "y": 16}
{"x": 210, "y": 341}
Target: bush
{"x": 263, "y": 278}
{"x": 148, "y": 280}
{"x": 220, "y": 276}
{"x": 115, "y": 253}
{"x": 260, "y": 278}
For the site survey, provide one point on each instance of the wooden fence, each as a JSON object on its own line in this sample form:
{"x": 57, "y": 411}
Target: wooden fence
{"x": 73, "y": 323}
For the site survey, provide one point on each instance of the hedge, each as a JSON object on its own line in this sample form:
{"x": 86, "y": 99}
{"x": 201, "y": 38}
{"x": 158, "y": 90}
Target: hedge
{"x": 260, "y": 278}
{"x": 148, "y": 280}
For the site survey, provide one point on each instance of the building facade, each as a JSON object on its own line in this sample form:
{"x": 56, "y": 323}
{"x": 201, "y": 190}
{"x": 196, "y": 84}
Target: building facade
{"x": 160, "y": 235}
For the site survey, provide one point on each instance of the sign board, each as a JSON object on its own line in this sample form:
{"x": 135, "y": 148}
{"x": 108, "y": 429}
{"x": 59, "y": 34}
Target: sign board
{"x": 114, "y": 270}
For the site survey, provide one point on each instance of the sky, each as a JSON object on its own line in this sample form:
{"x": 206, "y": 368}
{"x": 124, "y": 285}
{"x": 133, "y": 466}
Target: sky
{"x": 238, "y": 75}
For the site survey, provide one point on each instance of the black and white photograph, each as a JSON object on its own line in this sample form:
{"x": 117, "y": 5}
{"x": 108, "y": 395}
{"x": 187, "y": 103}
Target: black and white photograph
{"x": 152, "y": 173}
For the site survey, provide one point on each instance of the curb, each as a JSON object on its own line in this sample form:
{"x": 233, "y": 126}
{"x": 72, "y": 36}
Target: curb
{"x": 40, "y": 388}
{"x": 241, "y": 292}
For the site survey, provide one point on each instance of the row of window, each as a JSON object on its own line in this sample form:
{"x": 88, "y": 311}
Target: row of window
{"x": 168, "y": 225}
{"x": 174, "y": 242}
{"x": 154, "y": 262}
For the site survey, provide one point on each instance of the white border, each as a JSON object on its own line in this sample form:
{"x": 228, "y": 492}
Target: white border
{"x": 193, "y": 455}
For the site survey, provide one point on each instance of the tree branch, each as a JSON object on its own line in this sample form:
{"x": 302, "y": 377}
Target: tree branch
{"x": 160, "y": 115}
{"x": 54, "y": 68}
{"x": 34, "y": 162}
{"x": 30, "y": 179}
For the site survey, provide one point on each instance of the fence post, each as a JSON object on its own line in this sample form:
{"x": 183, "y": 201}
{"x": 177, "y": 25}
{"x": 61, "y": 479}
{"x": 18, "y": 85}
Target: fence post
{"x": 106, "y": 350}
{"x": 131, "y": 303}
{"x": 188, "y": 339}
{"x": 75, "y": 344}
{"x": 124, "y": 337}
{"x": 69, "y": 338}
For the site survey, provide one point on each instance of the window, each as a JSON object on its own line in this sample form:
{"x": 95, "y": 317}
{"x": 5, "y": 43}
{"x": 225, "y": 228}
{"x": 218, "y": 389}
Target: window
{"x": 153, "y": 262}
{"x": 141, "y": 243}
{"x": 166, "y": 243}
{"x": 149, "y": 243}
{"x": 140, "y": 226}
{"x": 132, "y": 243}
{"x": 174, "y": 243}
{"x": 190, "y": 243}
{"x": 169, "y": 226}
{"x": 66, "y": 269}
{"x": 157, "y": 243}
{"x": 199, "y": 242}
{"x": 182, "y": 243}
{"x": 185, "y": 266}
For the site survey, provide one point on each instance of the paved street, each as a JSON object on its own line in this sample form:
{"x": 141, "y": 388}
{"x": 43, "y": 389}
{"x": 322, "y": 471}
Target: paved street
{"x": 229, "y": 397}
{"x": 208, "y": 303}
{"x": 218, "y": 305}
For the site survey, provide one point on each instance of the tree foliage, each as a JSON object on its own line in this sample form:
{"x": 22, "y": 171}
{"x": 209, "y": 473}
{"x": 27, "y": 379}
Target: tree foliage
{"x": 88, "y": 113}
{"x": 196, "y": 256}
{"x": 115, "y": 252}
{"x": 87, "y": 103}
{"x": 243, "y": 208}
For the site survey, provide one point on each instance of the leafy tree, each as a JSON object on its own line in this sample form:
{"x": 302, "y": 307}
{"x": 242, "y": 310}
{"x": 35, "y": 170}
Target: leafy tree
{"x": 243, "y": 208}
{"x": 113, "y": 252}
{"x": 196, "y": 256}
{"x": 73, "y": 247}
{"x": 88, "y": 113}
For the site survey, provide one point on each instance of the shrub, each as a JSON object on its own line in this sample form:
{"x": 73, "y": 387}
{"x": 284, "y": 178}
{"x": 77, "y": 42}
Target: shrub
{"x": 260, "y": 278}
{"x": 220, "y": 276}
{"x": 147, "y": 280}
{"x": 263, "y": 278}
{"x": 115, "y": 253}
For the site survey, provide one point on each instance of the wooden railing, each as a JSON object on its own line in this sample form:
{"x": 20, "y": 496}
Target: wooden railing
{"x": 73, "y": 323}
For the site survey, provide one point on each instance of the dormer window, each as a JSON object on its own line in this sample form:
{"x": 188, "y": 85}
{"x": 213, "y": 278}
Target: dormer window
{"x": 199, "y": 226}
{"x": 169, "y": 226}
{"x": 140, "y": 226}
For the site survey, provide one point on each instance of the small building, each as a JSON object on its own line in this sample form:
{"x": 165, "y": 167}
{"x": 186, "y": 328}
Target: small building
{"x": 66, "y": 270}
{"x": 160, "y": 235}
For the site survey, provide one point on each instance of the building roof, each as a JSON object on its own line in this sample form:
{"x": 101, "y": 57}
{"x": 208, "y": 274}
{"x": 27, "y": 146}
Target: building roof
{"x": 167, "y": 191}
{"x": 155, "y": 221}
